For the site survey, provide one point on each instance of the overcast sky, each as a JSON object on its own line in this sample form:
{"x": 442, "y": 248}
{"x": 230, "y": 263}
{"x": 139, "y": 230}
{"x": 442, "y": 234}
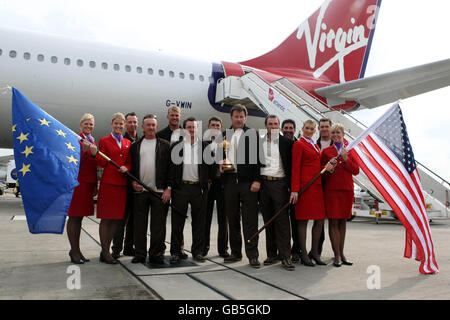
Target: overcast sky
{"x": 408, "y": 33}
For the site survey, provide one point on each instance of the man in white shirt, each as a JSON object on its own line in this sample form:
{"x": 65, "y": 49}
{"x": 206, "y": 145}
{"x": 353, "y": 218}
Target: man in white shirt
{"x": 274, "y": 193}
{"x": 189, "y": 177}
{"x": 216, "y": 194}
{"x": 151, "y": 159}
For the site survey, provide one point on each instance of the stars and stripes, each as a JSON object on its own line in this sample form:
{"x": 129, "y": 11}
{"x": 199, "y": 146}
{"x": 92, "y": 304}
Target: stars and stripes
{"x": 384, "y": 153}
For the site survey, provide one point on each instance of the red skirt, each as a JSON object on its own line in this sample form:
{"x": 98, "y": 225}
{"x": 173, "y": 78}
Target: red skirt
{"x": 339, "y": 204}
{"x": 82, "y": 203}
{"x": 310, "y": 204}
{"x": 111, "y": 201}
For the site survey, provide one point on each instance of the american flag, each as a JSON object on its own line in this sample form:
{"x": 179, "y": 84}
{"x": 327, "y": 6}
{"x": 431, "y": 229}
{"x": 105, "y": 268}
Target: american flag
{"x": 385, "y": 155}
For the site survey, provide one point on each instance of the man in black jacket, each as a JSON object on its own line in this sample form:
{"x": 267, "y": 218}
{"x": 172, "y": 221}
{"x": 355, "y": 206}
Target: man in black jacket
{"x": 241, "y": 185}
{"x": 150, "y": 163}
{"x": 169, "y": 133}
{"x": 189, "y": 178}
{"x": 276, "y": 178}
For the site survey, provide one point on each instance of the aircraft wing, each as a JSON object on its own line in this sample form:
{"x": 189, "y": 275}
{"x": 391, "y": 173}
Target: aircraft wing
{"x": 385, "y": 88}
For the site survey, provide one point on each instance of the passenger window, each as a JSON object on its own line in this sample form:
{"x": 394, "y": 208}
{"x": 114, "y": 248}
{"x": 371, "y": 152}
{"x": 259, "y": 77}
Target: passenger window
{"x": 80, "y": 62}
{"x": 116, "y": 67}
{"x": 201, "y": 78}
{"x": 67, "y": 61}
{"x": 92, "y": 64}
{"x": 191, "y": 76}
{"x": 181, "y": 75}
{"x": 139, "y": 70}
{"x": 12, "y": 53}
{"x": 1, "y": 51}
{"x": 127, "y": 68}
{"x": 161, "y": 72}
{"x": 54, "y": 59}
{"x": 27, "y": 56}
{"x": 104, "y": 66}
{"x": 40, "y": 57}
{"x": 171, "y": 74}
{"x": 150, "y": 71}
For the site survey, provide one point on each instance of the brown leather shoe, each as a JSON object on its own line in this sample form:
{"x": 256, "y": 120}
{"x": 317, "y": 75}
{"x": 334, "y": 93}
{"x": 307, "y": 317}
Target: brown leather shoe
{"x": 287, "y": 264}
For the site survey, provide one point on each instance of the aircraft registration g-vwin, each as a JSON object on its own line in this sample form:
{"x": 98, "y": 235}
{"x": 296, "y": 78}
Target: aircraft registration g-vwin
{"x": 324, "y": 58}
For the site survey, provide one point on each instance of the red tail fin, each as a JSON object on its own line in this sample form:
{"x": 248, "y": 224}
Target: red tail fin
{"x": 333, "y": 44}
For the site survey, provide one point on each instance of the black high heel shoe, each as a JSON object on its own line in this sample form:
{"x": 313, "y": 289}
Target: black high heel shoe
{"x": 84, "y": 259}
{"x": 81, "y": 261}
{"x": 102, "y": 259}
{"x": 347, "y": 263}
{"x": 306, "y": 262}
{"x": 316, "y": 260}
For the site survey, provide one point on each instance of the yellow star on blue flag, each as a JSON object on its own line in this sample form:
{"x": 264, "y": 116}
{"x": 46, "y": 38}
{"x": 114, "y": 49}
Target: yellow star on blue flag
{"x": 48, "y": 166}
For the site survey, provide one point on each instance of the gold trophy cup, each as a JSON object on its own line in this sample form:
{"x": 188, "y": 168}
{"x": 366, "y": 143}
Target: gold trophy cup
{"x": 227, "y": 165}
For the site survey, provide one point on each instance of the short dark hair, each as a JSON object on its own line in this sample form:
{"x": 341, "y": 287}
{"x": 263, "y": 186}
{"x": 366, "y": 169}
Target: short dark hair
{"x": 325, "y": 120}
{"x": 188, "y": 119}
{"x": 133, "y": 114}
{"x": 238, "y": 108}
{"x": 214, "y": 119}
{"x": 289, "y": 121}
{"x": 150, "y": 116}
{"x": 271, "y": 116}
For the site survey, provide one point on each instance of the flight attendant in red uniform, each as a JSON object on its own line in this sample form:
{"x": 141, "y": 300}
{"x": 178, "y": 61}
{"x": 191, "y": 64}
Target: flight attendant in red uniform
{"x": 82, "y": 203}
{"x": 338, "y": 191}
{"x": 309, "y": 205}
{"x": 112, "y": 194}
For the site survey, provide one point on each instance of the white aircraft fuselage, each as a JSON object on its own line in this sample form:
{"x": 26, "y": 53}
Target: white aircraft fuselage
{"x": 68, "y": 78}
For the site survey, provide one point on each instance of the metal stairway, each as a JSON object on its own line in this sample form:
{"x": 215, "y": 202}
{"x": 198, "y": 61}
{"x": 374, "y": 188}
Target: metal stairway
{"x": 289, "y": 101}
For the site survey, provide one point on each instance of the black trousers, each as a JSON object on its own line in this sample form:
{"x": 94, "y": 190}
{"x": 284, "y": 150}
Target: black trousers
{"x": 215, "y": 194}
{"x": 239, "y": 198}
{"x": 274, "y": 195}
{"x": 143, "y": 201}
{"x": 125, "y": 228}
{"x": 188, "y": 194}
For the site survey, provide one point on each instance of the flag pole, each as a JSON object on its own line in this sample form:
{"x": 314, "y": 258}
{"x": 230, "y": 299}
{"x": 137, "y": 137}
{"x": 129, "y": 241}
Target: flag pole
{"x": 152, "y": 192}
{"x": 286, "y": 205}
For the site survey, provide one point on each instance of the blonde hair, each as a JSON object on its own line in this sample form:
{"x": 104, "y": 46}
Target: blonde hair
{"x": 174, "y": 108}
{"x": 118, "y": 115}
{"x": 86, "y": 116}
{"x": 309, "y": 121}
{"x": 337, "y": 126}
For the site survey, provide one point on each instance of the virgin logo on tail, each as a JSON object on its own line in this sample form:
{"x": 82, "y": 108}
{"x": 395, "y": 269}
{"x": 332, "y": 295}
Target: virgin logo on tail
{"x": 326, "y": 38}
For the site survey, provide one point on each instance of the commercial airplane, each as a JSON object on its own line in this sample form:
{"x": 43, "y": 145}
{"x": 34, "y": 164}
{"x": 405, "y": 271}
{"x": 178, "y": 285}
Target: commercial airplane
{"x": 326, "y": 56}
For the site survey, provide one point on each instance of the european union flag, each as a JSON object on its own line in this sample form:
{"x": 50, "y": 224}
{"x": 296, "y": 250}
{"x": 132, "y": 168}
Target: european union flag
{"x": 47, "y": 156}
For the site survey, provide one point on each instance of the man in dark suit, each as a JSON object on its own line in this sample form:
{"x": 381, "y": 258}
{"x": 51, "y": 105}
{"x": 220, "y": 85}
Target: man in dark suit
{"x": 288, "y": 128}
{"x": 276, "y": 177}
{"x": 189, "y": 178}
{"x": 241, "y": 185}
{"x": 150, "y": 163}
{"x": 215, "y": 194}
{"x": 323, "y": 142}
{"x": 127, "y": 224}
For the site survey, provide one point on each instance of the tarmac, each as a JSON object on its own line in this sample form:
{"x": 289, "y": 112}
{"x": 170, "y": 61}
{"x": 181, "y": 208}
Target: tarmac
{"x": 38, "y": 267}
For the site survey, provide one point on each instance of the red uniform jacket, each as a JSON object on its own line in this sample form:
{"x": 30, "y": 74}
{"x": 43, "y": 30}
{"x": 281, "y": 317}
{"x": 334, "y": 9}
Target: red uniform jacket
{"x": 305, "y": 164}
{"x": 121, "y": 156}
{"x": 341, "y": 178}
{"x": 88, "y": 166}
